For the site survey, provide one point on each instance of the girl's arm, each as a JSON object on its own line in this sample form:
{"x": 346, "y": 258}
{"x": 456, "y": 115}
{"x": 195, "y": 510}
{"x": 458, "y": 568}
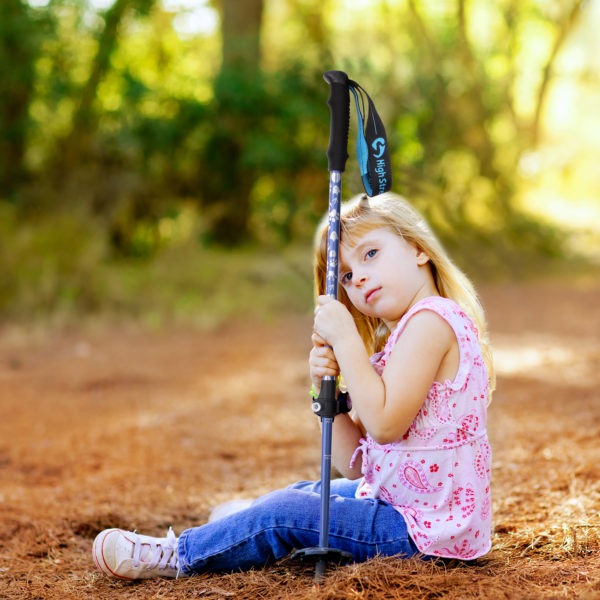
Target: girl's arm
{"x": 346, "y": 436}
{"x": 387, "y": 405}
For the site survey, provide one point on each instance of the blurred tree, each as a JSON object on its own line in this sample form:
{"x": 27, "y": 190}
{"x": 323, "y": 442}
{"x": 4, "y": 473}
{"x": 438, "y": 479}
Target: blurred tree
{"x": 263, "y": 159}
{"x": 96, "y": 164}
{"x": 238, "y": 110}
{"x": 458, "y": 116}
{"x": 19, "y": 39}
{"x": 134, "y": 119}
{"x": 77, "y": 144}
{"x": 564, "y": 23}
{"x": 118, "y": 130}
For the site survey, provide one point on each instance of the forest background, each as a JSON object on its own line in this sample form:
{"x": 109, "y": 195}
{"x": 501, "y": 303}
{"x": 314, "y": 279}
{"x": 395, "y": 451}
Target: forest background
{"x": 164, "y": 161}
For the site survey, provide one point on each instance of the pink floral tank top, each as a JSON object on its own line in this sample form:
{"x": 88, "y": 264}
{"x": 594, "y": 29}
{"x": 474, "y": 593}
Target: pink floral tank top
{"x": 438, "y": 475}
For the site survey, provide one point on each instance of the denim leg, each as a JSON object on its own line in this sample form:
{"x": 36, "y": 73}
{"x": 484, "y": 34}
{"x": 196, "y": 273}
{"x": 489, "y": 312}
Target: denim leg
{"x": 337, "y": 487}
{"x": 288, "y": 519}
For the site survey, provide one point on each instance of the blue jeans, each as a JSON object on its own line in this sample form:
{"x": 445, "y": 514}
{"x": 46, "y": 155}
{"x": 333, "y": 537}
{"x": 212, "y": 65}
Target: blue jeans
{"x": 288, "y": 519}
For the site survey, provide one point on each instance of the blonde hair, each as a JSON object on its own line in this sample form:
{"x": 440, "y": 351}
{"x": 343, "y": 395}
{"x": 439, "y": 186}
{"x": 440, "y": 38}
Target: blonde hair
{"x": 362, "y": 214}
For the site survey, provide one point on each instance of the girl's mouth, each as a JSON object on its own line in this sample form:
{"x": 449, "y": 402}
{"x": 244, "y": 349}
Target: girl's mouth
{"x": 371, "y": 294}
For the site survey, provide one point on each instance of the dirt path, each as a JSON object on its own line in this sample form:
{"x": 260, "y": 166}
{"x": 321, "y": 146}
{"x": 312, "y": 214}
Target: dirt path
{"x": 145, "y": 430}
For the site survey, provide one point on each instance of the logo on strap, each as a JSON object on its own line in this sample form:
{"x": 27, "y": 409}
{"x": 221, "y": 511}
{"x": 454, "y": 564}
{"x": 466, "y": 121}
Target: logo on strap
{"x": 379, "y": 146}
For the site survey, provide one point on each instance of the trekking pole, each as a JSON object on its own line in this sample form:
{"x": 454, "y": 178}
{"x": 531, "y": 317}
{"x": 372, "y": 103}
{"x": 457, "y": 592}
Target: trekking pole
{"x": 326, "y": 405}
{"x": 375, "y": 168}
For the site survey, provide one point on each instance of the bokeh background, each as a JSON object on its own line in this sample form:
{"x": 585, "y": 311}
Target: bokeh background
{"x": 163, "y": 161}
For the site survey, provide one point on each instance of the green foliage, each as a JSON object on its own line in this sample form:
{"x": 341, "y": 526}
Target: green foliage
{"x": 266, "y": 127}
{"x": 19, "y": 45}
{"x": 127, "y": 142}
{"x": 460, "y": 123}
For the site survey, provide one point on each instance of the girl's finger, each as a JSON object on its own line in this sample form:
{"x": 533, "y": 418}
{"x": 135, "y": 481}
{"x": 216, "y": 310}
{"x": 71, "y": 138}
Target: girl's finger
{"x": 317, "y": 340}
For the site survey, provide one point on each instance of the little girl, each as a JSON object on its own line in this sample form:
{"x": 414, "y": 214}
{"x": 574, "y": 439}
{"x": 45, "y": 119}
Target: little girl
{"x": 408, "y": 338}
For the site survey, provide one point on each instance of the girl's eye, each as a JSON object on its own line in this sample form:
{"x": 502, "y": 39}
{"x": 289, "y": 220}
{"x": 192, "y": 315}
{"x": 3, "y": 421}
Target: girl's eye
{"x": 346, "y": 278}
{"x": 371, "y": 253}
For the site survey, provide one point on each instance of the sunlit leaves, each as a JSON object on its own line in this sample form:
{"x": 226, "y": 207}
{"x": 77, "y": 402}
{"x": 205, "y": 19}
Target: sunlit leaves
{"x": 459, "y": 85}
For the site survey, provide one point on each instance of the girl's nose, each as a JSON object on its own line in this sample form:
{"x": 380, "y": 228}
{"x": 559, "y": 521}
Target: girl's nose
{"x": 359, "y": 279}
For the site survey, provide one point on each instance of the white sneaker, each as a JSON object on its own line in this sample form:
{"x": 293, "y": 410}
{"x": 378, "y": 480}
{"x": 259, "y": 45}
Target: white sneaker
{"x": 228, "y": 508}
{"x": 129, "y": 555}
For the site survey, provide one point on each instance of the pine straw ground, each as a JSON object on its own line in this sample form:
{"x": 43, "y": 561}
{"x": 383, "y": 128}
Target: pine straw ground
{"x": 144, "y": 430}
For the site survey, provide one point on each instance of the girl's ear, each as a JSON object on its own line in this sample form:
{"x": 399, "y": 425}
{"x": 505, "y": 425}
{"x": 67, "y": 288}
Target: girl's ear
{"x": 422, "y": 257}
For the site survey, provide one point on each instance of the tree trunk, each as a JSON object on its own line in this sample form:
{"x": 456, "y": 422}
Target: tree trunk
{"x": 564, "y": 28}
{"x": 240, "y": 28}
{"x": 76, "y": 143}
{"x": 238, "y": 93}
{"x": 18, "y": 51}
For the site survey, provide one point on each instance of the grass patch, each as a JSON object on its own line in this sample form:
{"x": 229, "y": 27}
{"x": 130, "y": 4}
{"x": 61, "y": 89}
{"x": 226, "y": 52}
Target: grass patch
{"x": 58, "y": 271}
{"x": 189, "y": 285}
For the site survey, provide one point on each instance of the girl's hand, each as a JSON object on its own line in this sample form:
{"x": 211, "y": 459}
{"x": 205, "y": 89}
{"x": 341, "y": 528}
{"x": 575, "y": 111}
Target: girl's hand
{"x": 333, "y": 321}
{"x": 321, "y": 361}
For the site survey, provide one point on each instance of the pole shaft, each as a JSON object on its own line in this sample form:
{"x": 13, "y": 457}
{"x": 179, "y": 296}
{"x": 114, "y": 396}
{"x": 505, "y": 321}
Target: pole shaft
{"x": 331, "y": 288}
{"x": 326, "y": 430}
{"x": 333, "y": 233}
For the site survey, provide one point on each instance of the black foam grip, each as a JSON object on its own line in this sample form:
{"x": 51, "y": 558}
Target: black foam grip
{"x": 339, "y": 107}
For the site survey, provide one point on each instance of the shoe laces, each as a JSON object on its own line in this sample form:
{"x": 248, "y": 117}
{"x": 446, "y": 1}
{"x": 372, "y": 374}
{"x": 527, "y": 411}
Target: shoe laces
{"x": 162, "y": 551}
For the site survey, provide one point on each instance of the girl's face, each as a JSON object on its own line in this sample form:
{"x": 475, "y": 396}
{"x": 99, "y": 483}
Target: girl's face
{"x": 384, "y": 275}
